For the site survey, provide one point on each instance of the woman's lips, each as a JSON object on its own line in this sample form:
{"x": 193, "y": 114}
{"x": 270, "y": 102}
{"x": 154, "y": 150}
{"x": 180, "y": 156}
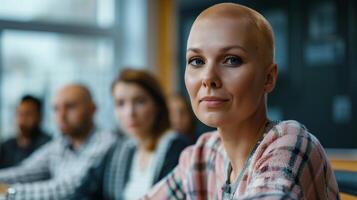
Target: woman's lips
{"x": 211, "y": 101}
{"x": 132, "y": 124}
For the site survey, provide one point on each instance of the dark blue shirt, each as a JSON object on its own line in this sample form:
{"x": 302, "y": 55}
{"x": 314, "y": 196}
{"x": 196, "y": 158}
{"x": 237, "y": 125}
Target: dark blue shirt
{"x": 12, "y": 154}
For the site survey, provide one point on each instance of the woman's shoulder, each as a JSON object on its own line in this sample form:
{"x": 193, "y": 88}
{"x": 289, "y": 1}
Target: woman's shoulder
{"x": 293, "y": 137}
{"x": 289, "y": 131}
{"x": 171, "y": 136}
{"x": 207, "y": 143}
{"x": 288, "y": 127}
{"x": 289, "y": 152}
{"x": 121, "y": 147}
{"x": 208, "y": 146}
{"x": 209, "y": 139}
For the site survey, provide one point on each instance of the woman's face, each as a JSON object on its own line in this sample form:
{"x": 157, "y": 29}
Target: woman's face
{"x": 134, "y": 108}
{"x": 224, "y": 73}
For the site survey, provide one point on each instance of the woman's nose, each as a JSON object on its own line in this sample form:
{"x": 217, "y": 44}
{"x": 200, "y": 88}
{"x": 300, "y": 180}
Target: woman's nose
{"x": 211, "y": 78}
{"x": 131, "y": 110}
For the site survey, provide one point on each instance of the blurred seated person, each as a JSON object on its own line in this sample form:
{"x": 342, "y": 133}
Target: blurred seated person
{"x": 56, "y": 169}
{"x": 181, "y": 116}
{"x": 150, "y": 151}
{"x": 230, "y": 71}
{"x": 29, "y": 135}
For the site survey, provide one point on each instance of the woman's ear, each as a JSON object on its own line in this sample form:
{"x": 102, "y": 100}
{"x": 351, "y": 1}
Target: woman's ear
{"x": 271, "y": 77}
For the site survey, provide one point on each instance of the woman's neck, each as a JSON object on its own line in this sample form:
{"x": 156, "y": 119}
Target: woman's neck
{"x": 240, "y": 139}
{"x": 144, "y": 157}
{"x": 145, "y": 141}
{"x": 146, "y": 147}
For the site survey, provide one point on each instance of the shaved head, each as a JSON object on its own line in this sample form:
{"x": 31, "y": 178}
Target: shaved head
{"x": 251, "y": 20}
{"x": 74, "y": 110}
{"x": 80, "y": 91}
{"x": 230, "y": 56}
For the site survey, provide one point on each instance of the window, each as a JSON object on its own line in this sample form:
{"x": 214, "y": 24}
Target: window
{"x": 39, "y": 63}
{"x": 46, "y": 44}
{"x": 88, "y": 12}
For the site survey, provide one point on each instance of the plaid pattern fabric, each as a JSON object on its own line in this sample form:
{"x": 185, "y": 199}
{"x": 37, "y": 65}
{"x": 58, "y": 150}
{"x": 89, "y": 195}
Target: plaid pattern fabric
{"x": 55, "y": 170}
{"x": 289, "y": 163}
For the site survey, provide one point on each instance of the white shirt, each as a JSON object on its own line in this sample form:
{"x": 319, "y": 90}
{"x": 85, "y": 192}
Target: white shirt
{"x": 140, "y": 180}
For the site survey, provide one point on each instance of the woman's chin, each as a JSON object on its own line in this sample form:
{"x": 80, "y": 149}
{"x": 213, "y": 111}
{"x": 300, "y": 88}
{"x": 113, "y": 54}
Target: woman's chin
{"x": 133, "y": 132}
{"x": 212, "y": 120}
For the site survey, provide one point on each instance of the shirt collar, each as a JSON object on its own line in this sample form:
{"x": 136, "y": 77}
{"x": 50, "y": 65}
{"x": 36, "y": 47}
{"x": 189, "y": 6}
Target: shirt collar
{"x": 67, "y": 144}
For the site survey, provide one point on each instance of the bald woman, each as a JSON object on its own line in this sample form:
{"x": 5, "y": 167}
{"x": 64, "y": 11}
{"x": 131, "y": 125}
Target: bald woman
{"x": 230, "y": 70}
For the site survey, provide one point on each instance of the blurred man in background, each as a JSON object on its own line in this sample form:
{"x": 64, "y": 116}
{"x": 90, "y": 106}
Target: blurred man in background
{"x": 55, "y": 170}
{"x": 29, "y": 135}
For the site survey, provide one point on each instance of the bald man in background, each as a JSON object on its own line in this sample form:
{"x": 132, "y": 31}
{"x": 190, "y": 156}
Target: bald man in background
{"x": 55, "y": 170}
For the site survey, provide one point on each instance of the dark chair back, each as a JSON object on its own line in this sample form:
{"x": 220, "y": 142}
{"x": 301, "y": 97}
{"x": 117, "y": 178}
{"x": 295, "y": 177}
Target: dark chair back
{"x": 347, "y": 181}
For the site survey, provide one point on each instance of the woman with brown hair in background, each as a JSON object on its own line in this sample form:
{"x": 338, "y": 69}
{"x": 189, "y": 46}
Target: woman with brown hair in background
{"x": 148, "y": 150}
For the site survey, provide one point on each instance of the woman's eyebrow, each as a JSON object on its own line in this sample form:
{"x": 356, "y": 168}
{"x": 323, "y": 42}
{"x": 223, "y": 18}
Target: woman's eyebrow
{"x": 195, "y": 50}
{"x": 224, "y": 49}
{"x": 232, "y": 47}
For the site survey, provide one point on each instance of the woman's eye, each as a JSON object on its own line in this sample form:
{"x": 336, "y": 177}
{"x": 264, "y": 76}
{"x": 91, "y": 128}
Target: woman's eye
{"x": 119, "y": 103}
{"x": 196, "y": 62}
{"x": 233, "y": 60}
{"x": 140, "y": 101}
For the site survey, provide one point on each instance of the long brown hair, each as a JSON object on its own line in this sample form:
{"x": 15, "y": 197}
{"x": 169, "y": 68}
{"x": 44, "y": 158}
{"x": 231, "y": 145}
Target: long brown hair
{"x": 149, "y": 83}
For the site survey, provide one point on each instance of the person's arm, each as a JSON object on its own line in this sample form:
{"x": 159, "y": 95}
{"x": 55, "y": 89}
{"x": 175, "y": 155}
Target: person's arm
{"x": 61, "y": 186}
{"x": 67, "y": 172}
{"x": 293, "y": 166}
{"x": 31, "y": 169}
{"x": 47, "y": 189}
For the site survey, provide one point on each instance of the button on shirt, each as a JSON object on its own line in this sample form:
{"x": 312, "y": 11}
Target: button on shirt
{"x": 55, "y": 170}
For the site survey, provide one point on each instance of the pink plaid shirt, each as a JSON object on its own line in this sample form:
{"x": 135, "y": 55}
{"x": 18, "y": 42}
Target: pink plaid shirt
{"x": 289, "y": 163}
